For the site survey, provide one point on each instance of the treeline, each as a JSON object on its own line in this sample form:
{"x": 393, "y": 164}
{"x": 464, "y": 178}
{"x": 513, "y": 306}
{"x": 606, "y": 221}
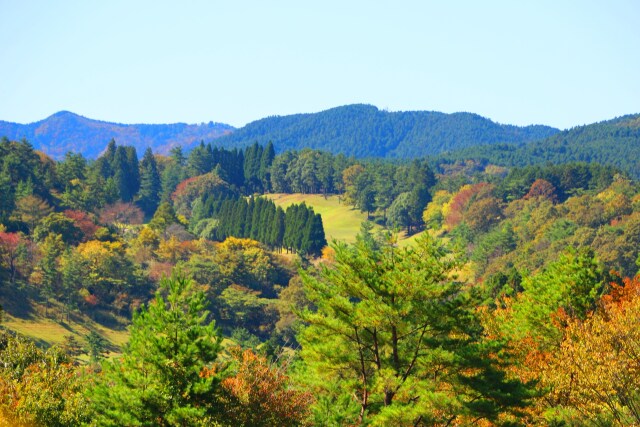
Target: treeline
{"x": 298, "y": 229}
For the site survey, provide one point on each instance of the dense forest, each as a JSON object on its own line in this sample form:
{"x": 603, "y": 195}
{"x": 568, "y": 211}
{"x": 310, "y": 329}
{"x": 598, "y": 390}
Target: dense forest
{"x": 515, "y": 300}
{"x": 365, "y": 131}
{"x": 614, "y": 142}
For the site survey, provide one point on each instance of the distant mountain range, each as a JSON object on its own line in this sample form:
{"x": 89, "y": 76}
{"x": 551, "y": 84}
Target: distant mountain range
{"x": 66, "y": 131}
{"x": 355, "y": 130}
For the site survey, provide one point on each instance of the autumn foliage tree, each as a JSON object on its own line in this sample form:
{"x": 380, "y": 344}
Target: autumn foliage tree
{"x": 595, "y": 374}
{"x": 262, "y": 394}
{"x": 10, "y": 244}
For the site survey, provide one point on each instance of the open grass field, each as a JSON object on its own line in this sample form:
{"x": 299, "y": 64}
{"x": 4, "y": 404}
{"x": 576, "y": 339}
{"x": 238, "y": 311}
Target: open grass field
{"x": 51, "y": 329}
{"x": 341, "y": 221}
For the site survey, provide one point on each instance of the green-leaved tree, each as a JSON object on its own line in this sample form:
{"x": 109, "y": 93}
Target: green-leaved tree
{"x": 394, "y": 340}
{"x": 166, "y": 375}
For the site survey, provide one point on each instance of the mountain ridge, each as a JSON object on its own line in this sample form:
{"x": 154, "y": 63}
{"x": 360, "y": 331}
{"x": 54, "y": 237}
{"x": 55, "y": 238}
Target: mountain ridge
{"x": 358, "y": 130}
{"x": 363, "y": 130}
{"x": 66, "y": 131}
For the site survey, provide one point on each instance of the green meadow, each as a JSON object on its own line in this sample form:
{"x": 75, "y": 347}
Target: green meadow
{"x": 341, "y": 221}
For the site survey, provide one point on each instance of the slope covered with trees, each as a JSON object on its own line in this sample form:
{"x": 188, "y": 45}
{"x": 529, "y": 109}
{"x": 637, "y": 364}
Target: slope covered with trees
{"x": 614, "y": 142}
{"x": 365, "y": 131}
{"x": 517, "y": 305}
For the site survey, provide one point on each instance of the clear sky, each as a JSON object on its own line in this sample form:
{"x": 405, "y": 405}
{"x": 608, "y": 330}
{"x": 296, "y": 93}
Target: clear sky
{"x": 557, "y": 62}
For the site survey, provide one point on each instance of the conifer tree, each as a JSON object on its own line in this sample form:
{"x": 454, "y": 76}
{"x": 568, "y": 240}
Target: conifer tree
{"x": 166, "y": 375}
{"x": 121, "y": 174}
{"x": 150, "y": 185}
{"x": 395, "y": 341}
{"x": 264, "y": 173}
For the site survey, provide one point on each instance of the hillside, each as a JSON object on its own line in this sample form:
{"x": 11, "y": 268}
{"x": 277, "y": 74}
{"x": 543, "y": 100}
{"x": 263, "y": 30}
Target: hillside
{"x": 66, "y": 131}
{"x": 366, "y": 131}
{"x": 613, "y": 142}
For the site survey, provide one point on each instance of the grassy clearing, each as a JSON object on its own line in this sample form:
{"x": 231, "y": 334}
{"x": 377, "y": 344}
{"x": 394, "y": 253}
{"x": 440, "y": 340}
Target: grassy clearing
{"x": 50, "y": 329}
{"x": 341, "y": 221}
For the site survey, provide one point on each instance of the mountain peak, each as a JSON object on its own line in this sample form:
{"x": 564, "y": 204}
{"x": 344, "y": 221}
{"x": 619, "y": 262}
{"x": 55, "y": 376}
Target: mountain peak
{"x": 63, "y": 115}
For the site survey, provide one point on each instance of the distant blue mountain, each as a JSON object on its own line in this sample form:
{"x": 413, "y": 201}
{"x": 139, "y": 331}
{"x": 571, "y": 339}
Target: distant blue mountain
{"x": 66, "y": 131}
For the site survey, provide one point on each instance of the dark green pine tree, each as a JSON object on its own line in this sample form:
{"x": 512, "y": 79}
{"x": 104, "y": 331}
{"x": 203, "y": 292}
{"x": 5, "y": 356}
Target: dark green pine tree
{"x": 289, "y": 238}
{"x": 121, "y": 174}
{"x": 133, "y": 170}
{"x": 264, "y": 173}
{"x": 7, "y": 201}
{"x": 150, "y": 185}
{"x": 252, "y": 157}
{"x": 166, "y": 375}
{"x": 110, "y": 152}
{"x": 200, "y": 160}
{"x": 278, "y": 229}
{"x": 314, "y": 239}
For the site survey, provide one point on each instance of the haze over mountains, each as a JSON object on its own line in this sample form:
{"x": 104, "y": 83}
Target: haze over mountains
{"x": 355, "y": 130}
{"x": 66, "y": 131}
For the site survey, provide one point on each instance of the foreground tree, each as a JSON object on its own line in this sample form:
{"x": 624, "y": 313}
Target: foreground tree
{"x": 260, "y": 393}
{"x": 394, "y": 341}
{"x": 594, "y": 376}
{"x": 39, "y": 388}
{"x": 167, "y": 374}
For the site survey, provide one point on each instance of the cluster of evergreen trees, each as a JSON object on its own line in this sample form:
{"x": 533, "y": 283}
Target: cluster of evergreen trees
{"x": 298, "y": 229}
{"x": 120, "y": 163}
{"x": 247, "y": 169}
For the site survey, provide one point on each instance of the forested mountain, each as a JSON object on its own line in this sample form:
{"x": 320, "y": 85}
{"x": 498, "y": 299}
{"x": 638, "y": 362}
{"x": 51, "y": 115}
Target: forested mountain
{"x": 366, "y": 131}
{"x": 613, "y": 142}
{"x": 66, "y": 131}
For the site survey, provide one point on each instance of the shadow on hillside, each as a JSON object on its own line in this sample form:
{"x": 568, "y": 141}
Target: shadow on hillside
{"x": 107, "y": 319}
{"x": 17, "y": 303}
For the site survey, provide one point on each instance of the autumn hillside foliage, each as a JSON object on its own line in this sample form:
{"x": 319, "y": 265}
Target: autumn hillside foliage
{"x": 172, "y": 292}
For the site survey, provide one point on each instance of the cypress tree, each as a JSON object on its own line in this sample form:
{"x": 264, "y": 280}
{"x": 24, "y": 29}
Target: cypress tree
{"x": 133, "y": 170}
{"x": 121, "y": 175}
{"x": 264, "y": 173}
{"x": 278, "y": 228}
{"x": 150, "y": 185}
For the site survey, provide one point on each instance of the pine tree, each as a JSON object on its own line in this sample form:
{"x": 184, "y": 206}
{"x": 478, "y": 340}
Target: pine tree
{"x": 163, "y": 217}
{"x": 174, "y": 173}
{"x": 166, "y": 375}
{"x": 396, "y": 341}
{"x": 121, "y": 174}
{"x": 150, "y": 185}
{"x": 264, "y": 173}
{"x": 133, "y": 170}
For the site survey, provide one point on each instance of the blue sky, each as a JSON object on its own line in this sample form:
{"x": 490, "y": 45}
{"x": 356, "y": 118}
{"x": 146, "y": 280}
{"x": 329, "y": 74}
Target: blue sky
{"x": 561, "y": 63}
